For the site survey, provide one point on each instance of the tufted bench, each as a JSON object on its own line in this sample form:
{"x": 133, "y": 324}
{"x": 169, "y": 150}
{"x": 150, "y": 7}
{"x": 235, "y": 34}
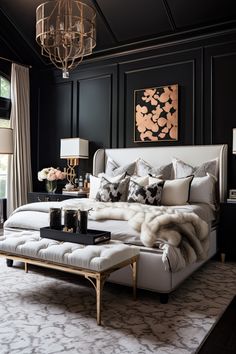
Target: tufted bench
{"x": 95, "y": 262}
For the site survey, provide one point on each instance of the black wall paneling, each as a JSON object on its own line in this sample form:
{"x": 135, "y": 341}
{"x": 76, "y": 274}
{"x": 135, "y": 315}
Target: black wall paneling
{"x": 220, "y": 81}
{"x": 83, "y": 106}
{"x": 197, "y": 52}
{"x": 56, "y": 102}
{"x": 94, "y": 113}
{"x": 182, "y": 69}
{"x": 96, "y": 109}
{"x": 55, "y": 121}
{"x": 97, "y": 102}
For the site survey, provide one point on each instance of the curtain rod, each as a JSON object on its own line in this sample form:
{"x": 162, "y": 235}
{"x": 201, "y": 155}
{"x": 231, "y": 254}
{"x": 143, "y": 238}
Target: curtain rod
{"x": 14, "y": 62}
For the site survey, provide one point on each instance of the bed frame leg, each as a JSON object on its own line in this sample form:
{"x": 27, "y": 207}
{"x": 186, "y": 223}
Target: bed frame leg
{"x": 9, "y": 262}
{"x": 164, "y": 298}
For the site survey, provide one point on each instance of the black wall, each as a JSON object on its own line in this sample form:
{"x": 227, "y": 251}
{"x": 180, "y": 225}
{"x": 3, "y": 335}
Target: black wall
{"x": 97, "y": 102}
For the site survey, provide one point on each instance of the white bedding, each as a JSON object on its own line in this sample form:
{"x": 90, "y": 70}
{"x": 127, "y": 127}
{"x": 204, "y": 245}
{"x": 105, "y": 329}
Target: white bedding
{"x": 34, "y": 216}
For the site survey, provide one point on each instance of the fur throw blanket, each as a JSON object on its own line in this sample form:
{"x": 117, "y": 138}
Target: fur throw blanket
{"x": 183, "y": 236}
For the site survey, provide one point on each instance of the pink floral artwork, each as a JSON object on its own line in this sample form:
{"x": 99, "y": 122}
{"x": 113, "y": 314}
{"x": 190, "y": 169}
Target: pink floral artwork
{"x": 156, "y": 114}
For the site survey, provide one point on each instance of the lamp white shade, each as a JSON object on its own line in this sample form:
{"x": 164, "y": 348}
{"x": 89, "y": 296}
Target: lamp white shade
{"x": 234, "y": 141}
{"x": 74, "y": 148}
{"x": 6, "y": 141}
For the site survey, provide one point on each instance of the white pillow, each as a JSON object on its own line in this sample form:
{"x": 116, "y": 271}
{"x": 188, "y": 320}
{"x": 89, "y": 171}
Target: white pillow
{"x": 142, "y": 181}
{"x": 96, "y": 181}
{"x": 143, "y": 168}
{"x": 113, "y": 169}
{"x": 176, "y": 191}
{"x": 182, "y": 169}
{"x": 203, "y": 190}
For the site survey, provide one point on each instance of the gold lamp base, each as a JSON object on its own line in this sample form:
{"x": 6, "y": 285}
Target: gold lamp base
{"x": 70, "y": 170}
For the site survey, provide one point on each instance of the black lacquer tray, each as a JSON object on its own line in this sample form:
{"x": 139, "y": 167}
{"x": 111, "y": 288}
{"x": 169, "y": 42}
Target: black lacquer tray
{"x": 93, "y": 237}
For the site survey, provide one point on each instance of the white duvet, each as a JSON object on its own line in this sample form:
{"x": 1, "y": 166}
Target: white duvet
{"x": 181, "y": 234}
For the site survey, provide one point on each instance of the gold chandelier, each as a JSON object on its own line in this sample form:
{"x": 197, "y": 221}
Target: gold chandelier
{"x": 66, "y": 32}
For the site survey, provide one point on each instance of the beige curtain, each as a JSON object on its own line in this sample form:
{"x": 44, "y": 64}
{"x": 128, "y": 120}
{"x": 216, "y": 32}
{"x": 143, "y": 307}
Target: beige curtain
{"x": 19, "y": 171}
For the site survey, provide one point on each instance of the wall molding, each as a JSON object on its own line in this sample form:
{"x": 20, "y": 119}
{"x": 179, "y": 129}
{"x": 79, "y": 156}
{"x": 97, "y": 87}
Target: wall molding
{"x": 168, "y": 42}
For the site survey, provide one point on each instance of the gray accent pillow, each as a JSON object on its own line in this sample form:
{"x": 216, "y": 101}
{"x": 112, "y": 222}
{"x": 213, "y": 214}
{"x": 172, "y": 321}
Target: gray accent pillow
{"x": 113, "y": 169}
{"x": 143, "y": 168}
{"x": 150, "y": 194}
{"x": 182, "y": 169}
{"x": 113, "y": 192}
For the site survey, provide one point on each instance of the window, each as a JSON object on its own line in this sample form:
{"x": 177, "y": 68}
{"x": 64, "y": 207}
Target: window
{"x": 5, "y": 100}
{"x": 4, "y": 87}
{"x": 5, "y": 105}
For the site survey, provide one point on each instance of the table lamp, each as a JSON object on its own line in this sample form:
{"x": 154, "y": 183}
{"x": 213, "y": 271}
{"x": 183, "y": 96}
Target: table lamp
{"x": 6, "y": 148}
{"x": 6, "y": 141}
{"x": 73, "y": 149}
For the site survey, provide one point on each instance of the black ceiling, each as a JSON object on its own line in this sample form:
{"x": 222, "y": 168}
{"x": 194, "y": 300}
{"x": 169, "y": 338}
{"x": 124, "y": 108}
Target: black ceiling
{"x": 130, "y": 22}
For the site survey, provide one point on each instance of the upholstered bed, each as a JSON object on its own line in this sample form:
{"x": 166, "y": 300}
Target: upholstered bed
{"x": 155, "y": 270}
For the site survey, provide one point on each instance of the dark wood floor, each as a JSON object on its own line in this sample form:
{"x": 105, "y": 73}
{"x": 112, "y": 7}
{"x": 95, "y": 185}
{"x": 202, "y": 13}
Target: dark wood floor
{"x": 222, "y": 339}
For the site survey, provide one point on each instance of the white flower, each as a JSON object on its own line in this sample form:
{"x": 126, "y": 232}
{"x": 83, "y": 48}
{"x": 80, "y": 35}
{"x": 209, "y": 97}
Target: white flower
{"x": 51, "y": 174}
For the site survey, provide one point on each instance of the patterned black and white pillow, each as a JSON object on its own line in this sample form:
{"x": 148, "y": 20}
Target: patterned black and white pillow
{"x": 113, "y": 192}
{"x": 150, "y": 194}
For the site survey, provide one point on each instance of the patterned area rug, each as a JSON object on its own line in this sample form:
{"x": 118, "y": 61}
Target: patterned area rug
{"x": 48, "y": 312}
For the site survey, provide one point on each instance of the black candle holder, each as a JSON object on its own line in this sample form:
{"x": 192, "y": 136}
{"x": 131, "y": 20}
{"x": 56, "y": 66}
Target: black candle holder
{"x": 55, "y": 218}
{"x": 83, "y": 221}
{"x": 70, "y": 220}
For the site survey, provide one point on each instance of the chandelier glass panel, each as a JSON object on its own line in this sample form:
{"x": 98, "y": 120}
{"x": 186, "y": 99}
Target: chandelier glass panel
{"x": 66, "y": 32}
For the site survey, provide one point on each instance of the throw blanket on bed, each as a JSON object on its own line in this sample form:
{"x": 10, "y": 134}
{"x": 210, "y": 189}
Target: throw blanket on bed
{"x": 183, "y": 236}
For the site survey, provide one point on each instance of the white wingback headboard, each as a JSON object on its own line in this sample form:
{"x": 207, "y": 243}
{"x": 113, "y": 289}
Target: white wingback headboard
{"x": 194, "y": 155}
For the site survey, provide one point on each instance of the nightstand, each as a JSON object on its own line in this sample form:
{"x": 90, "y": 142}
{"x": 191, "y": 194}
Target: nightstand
{"x": 34, "y": 197}
{"x": 227, "y": 231}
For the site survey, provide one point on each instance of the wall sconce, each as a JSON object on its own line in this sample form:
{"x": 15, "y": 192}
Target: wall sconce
{"x": 73, "y": 149}
{"x": 234, "y": 141}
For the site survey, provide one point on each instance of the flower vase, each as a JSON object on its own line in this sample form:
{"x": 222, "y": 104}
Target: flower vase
{"x": 51, "y": 186}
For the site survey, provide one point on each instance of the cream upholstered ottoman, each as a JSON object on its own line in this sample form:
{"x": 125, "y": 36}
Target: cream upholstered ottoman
{"x": 95, "y": 262}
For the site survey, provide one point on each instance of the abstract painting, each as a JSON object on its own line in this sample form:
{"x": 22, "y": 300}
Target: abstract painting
{"x": 156, "y": 114}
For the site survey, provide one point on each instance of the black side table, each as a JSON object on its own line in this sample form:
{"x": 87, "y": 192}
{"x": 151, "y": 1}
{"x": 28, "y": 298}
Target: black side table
{"x": 34, "y": 197}
{"x": 227, "y": 231}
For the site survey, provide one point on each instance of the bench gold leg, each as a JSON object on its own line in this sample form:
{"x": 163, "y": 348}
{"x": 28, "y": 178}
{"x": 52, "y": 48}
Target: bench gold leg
{"x": 222, "y": 256}
{"x": 98, "y": 286}
{"x": 98, "y": 299}
{"x": 90, "y": 275}
{"x": 134, "y": 278}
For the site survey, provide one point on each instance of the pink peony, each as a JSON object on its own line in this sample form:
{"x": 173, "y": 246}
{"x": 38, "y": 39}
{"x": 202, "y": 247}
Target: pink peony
{"x": 51, "y": 174}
